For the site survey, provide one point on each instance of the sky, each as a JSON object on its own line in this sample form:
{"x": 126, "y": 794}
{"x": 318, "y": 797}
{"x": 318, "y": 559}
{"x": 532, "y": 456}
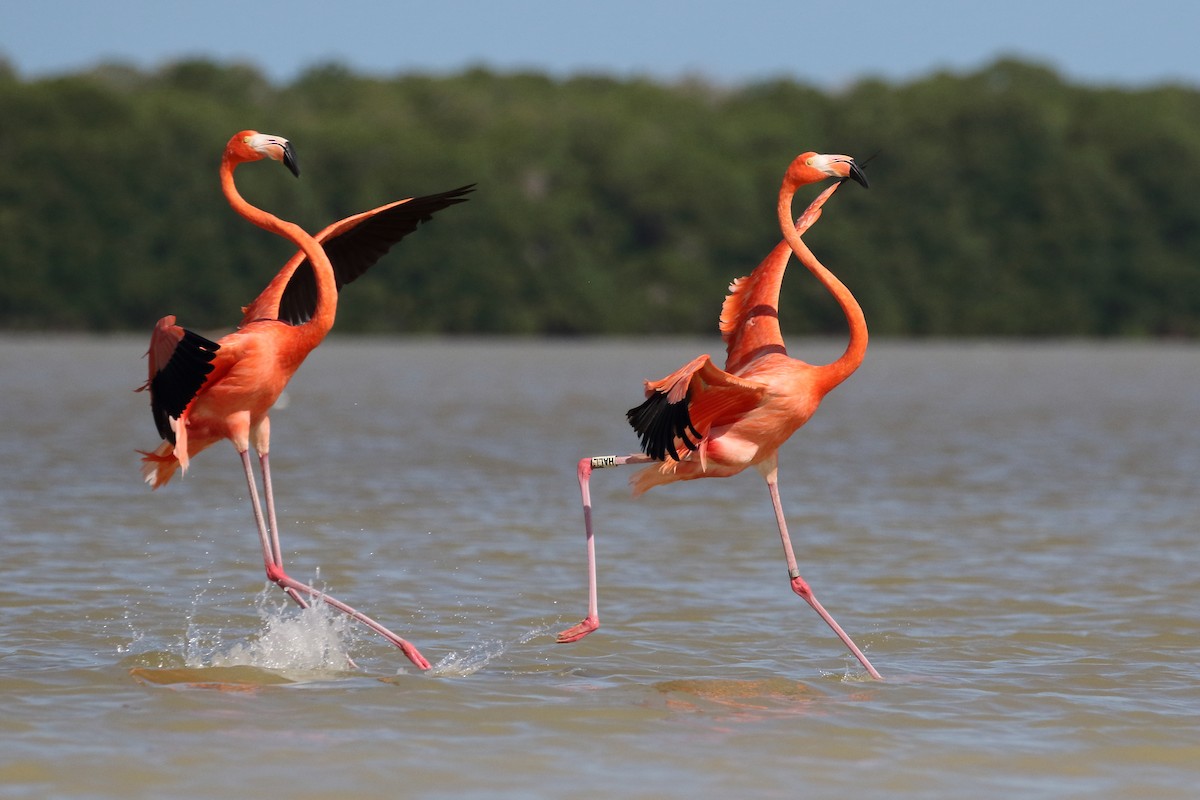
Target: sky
{"x": 728, "y": 42}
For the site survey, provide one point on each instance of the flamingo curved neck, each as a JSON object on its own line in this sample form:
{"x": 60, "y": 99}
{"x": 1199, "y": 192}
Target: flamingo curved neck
{"x": 326, "y": 309}
{"x": 856, "y": 349}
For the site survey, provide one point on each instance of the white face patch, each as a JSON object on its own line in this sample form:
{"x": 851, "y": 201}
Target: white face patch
{"x": 268, "y": 146}
{"x": 828, "y": 164}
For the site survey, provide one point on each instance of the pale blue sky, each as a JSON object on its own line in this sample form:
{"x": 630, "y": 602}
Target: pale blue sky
{"x": 730, "y": 41}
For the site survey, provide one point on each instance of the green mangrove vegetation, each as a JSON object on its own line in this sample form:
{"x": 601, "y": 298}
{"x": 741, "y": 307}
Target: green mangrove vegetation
{"x": 1004, "y": 202}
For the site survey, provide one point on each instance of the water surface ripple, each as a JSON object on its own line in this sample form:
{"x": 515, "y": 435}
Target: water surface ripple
{"x": 1009, "y": 530}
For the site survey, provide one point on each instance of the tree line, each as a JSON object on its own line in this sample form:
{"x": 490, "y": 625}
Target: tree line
{"x": 1003, "y": 202}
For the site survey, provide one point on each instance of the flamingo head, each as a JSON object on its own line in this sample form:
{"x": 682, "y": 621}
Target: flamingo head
{"x": 812, "y": 167}
{"x": 255, "y": 146}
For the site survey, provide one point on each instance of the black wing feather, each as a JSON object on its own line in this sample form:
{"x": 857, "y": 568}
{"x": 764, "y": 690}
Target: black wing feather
{"x": 178, "y": 381}
{"x": 659, "y": 423}
{"x": 356, "y": 250}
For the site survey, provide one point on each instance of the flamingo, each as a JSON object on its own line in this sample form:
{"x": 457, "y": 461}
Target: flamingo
{"x": 705, "y": 422}
{"x": 203, "y": 391}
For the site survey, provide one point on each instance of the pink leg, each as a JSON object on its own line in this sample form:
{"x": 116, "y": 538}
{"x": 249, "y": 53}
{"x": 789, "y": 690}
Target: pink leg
{"x": 406, "y": 647}
{"x": 272, "y": 522}
{"x": 294, "y": 588}
{"x": 799, "y": 585}
{"x": 272, "y": 558}
{"x": 592, "y": 621}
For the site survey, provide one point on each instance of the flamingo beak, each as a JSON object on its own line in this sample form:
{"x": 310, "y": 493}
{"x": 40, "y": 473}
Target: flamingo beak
{"x": 289, "y": 160}
{"x": 857, "y": 174}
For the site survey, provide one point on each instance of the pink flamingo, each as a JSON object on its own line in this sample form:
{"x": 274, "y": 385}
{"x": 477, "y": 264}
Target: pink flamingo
{"x": 705, "y": 422}
{"x": 202, "y": 391}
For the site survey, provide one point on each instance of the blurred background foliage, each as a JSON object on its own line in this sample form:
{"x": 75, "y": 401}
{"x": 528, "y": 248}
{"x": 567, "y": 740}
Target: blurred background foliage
{"x": 1005, "y": 202}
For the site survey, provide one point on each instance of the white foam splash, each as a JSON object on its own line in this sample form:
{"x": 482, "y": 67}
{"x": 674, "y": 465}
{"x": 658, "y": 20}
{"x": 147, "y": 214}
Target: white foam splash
{"x": 315, "y": 639}
{"x": 478, "y": 656}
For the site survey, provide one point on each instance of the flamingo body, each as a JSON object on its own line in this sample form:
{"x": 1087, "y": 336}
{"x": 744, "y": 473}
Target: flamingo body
{"x": 735, "y": 421}
{"x": 249, "y": 370}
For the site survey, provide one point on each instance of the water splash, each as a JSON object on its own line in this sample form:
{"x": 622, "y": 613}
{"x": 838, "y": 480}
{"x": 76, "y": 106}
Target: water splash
{"x": 478, "y": 655}
{"x": 315, "y": 639}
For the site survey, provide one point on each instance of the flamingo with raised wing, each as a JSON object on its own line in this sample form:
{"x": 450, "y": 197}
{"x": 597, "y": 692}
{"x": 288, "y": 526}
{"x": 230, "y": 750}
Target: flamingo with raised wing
{"x": 706, "y": 422}
{"x": 203, "y": 391}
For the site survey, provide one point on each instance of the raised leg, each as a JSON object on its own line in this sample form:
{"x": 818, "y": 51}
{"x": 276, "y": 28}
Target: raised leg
{"x": 799, "y": 585}
{"x": 273, "y": 560}
{"x": 592, "y": 621}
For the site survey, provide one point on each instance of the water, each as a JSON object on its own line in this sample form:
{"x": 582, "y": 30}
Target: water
{"x": 1008, "y": 530}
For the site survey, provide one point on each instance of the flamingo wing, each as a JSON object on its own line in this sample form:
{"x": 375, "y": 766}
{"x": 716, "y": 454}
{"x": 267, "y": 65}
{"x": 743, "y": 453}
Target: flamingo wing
{"x": 180, "y": 362}
{"x": 355, "y": 243}
{"x": 683, "y": 407}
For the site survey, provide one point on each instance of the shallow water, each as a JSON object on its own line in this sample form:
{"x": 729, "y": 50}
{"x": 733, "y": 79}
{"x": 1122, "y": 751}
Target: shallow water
{"x": 1008, "y": 530}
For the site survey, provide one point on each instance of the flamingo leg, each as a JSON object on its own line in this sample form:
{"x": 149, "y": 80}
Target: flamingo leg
{"x": 592, "y": 621}
{"x": 291, "y": 585}
{"x": 272, "y": 559}
{"x": 799, "y": 585}
{"x": 294, "y": 588}
{"x": 272, "y": 522}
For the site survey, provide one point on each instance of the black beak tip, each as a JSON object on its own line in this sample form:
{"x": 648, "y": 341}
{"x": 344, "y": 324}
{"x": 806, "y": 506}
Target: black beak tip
{"x": 857, "y": 174}
{"x": 289, "y": 159}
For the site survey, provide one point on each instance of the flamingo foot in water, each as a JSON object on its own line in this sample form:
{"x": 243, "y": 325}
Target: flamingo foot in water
{"x": 801, "y": 587}
{"x": 577, "y": 632}
{"x": 292, "y": 586}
